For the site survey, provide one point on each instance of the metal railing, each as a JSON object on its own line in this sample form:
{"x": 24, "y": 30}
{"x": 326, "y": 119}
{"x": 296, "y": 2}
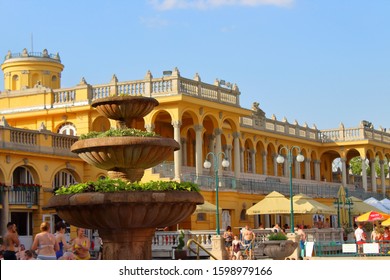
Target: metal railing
{"x": 198, "y": 246}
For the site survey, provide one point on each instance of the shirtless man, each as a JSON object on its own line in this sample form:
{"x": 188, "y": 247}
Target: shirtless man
{"x": 11, "y": 240}
{"x": 248, "y": 237}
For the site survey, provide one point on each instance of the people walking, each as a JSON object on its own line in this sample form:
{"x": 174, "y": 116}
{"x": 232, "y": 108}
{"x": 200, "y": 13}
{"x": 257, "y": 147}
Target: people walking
{"x": 228, "y": 236}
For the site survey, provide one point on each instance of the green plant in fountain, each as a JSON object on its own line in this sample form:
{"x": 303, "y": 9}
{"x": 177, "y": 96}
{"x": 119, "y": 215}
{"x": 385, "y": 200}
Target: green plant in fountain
{"x": 180, "y": 244}
{"x": 114, "y": 185}
{"x": 118, "y": 133}
{"x": 277, "y": 236}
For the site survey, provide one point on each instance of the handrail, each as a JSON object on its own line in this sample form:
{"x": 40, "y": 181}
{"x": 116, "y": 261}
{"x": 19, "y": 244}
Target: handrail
{"x": 198, "y": 245}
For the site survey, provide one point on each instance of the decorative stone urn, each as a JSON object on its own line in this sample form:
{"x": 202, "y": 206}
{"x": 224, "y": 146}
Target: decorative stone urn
{"x": 126, "y": 220}
{"x": 277, "y": 249}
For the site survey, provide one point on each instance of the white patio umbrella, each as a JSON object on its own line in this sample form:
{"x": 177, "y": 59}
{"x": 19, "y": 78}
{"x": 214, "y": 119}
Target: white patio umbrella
{"x": 386, "y": 202}
{"x": 377, "y": 204}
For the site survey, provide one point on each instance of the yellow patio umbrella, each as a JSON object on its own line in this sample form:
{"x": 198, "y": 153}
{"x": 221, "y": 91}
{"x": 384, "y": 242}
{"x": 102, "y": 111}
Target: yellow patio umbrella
{"x": 341, "y": 201}
{"x": 360, "y": 207}
{"x": 207, "y": 208}
{"x": 273, "y": 203}
{"x": 386, "y": 223}
{"x": 304, "y": 204}
{"x": 372, "y": 216}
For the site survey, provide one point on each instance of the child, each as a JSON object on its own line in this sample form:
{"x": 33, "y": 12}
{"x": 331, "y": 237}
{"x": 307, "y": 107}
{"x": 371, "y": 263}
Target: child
{"x": 236, "y": 249}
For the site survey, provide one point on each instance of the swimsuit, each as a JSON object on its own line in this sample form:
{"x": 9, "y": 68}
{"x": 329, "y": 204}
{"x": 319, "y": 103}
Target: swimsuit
{"x": 60, "y": 252}
{"x": 43, "y": 257}
{"x": 9, "y": 255}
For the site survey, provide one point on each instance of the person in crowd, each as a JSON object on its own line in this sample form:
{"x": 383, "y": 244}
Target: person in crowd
{"x": 248, "y": 237}
{"x": 261, "y": 226}
{"x": 236, "y": 248}
{"x": 81, "y": 245}
{"x": 228, "y": 236}
{"x": 302, "y": 239}
{"x": 20, "y": 252}
{"x": 45, "y": 243}
{"x": 28, "y": 255}
{"x": 326, "y": 223}
{"x": 276, "y": 228}
{"x": 60, "y": 238}
{"x": 10, "y": 242}
{"x": 360, "y": 237}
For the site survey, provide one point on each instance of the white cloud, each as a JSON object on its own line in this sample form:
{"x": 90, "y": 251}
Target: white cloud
{"x": 207, "y": 4}
{"x": 153, "y": 22}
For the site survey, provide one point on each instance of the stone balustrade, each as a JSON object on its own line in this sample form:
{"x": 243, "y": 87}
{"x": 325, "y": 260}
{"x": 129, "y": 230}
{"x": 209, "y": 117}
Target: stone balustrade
{"x": 40, "y": 141}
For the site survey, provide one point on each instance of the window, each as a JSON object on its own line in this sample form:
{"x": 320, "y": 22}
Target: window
{"x": 63, "y": 178}
{"x": 67, "y": 129}
{"x": 22, "y": 175}
{"x": 23, "y": 222}
{"x": 201, "y": 217}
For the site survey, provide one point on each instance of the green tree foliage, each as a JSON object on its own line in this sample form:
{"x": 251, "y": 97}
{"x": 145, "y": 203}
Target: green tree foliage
{"x": 355, "y": 165}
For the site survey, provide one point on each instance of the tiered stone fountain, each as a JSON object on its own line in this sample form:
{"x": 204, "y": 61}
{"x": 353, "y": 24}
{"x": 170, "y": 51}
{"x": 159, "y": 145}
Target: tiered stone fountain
{"x": 126, "y": 220}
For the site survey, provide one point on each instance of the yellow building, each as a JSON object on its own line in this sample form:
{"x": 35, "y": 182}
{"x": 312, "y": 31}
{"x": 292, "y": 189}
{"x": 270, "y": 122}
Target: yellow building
{"x": 41, "y": 120}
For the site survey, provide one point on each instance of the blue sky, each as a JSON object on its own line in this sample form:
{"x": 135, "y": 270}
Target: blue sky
{"x": 321, "y": 62}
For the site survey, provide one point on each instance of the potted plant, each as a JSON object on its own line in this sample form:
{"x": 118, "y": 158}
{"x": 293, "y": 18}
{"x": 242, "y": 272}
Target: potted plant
{"x": 277, "y": 247}
{"x": 180, "y": 254}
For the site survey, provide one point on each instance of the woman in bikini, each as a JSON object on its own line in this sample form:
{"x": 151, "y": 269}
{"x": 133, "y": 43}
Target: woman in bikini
{"x": 81, "y": 245}
{"x": 60, "y": 237}
{"x": 45, "y": 243}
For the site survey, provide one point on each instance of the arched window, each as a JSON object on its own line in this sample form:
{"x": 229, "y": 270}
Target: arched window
{"x": 54, "y": 81}
{"x": 22, "y": 175}
{"x": 63, "y": 178}
{"x": 15, "y": 82}
{"x": 67, "y": 129}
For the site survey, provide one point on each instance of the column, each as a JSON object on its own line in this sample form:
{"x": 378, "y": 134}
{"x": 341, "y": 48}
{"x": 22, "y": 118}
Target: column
{"x": 274, "y": 156}
{"x": 4, "y": 212}
{"x": 297, "y": 168}
{"x": 242, "y": 164}
{"x": 317, "y": 170}
{"x": 184, "y": 151}
{"x": 149, "y": 127}
{"x": 177, "y": 154}
{"x": 383, "y": 185}
{"x": 198, "y": 149}
{"x": 373, "y": 175}
{"x": 364, "y": 174}
{"x": 237, "y": 163}
{"x": 286, "y": 168}
{"x": 211, "y": 149}
{"x": 229, "y": 156}
{"x": 218, "y": 148}
{"x": 344, "y": 172}
{"x": 253, "y": 156}
{"x": 307, "y": 169}
{"x": 264, "y": 159}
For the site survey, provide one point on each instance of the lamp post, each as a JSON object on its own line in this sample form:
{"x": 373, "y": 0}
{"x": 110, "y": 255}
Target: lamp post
{"x": 280, "y": 159}
{"x": 337, "y": 204}
{"x": 349, "y": 206}
{"x": 207, "y": 165}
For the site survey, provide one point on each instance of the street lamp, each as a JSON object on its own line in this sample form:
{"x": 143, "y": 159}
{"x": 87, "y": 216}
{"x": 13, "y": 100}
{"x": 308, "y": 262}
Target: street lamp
{"x": 280, "y": 159}
{"x": 348, "y": 204}
{"x": 207, "y": 165}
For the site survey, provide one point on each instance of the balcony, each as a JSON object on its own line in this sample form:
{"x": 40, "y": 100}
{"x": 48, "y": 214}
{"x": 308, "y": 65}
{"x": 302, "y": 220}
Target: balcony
{"x": 27, "y": 195}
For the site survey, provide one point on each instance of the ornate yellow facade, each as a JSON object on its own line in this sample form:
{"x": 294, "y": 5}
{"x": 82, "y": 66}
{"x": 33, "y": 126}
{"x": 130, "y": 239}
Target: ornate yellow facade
{"x": 40, "y": 121}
